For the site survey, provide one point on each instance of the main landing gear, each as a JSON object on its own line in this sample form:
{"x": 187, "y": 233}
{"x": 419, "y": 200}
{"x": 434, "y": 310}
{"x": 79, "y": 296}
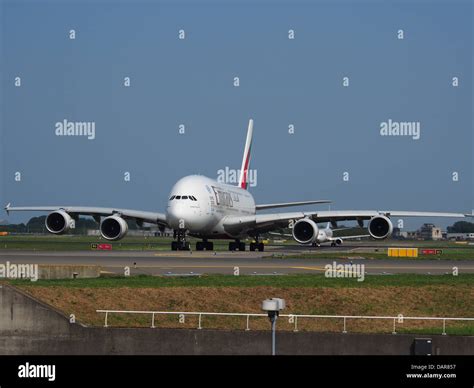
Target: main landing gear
{"x": 180, "y": 244}
{"x": 204, "y": 245}
{"x": 236, "y": 245}
{"x": 256, "y": 246}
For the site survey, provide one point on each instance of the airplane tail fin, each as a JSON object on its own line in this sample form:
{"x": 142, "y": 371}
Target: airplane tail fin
{"x": 244, "y": 170}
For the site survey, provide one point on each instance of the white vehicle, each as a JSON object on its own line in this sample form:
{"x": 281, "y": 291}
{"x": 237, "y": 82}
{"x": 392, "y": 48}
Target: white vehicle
{"x": 202, "y": 207}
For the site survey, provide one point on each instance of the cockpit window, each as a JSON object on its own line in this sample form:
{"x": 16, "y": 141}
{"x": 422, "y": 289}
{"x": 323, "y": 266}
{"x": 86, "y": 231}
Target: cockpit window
{"x": 191, "y": 197}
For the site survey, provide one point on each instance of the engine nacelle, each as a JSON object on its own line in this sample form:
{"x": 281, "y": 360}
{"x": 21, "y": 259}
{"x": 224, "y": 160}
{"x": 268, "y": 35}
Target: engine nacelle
{"x": 380, "y": 227}
{"x": 113, "y": 228}
{"x": 339, "y": 241}
{"x": 59, "y": 222}
{"x": 305, "y": 231}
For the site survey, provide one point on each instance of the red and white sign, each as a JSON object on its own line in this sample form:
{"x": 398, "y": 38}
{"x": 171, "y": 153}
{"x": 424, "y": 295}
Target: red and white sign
{"x": 431, "y": 251}
{"x": 102, "y": 247}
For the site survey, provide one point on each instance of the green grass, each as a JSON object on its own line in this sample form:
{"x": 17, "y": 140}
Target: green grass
{"x": 301, "y": 280}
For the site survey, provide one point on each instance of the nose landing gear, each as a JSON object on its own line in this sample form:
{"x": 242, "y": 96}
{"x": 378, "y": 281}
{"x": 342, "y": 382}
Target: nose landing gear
{"x": 180, "y": 244}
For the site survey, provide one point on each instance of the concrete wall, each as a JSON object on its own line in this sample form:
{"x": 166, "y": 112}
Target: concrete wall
{"x": 29, "y": 327}
{"x": 68, "y": 271}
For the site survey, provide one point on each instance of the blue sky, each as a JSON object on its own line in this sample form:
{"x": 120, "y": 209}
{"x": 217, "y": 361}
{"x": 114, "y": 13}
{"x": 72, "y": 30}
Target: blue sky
{"x": 282, "y": 82}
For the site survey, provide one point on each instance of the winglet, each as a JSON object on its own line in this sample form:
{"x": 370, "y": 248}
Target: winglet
{"x": 7, "y": 208}
{"x": 243, "y": 181}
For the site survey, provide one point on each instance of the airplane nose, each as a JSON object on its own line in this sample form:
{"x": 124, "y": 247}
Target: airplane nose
{"x": 176, "y": 217}
{"x": 182, "y": 217}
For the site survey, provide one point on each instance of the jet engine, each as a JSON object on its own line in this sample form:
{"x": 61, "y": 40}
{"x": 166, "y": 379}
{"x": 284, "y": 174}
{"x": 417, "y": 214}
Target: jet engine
{"x": 380, "y": 227}
{"x": 59, "y": 222}
{"x": 305, "y": 231}
{"x": 339, "y": 241}
{"x": 113, "y": 228}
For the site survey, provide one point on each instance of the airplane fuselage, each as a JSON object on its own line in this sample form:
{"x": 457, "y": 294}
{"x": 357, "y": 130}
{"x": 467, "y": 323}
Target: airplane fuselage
{"x": 200, "y": 204}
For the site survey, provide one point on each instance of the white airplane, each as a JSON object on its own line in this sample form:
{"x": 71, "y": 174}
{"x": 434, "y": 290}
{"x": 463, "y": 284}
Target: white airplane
{"x": 204, "y": 208}
{"x": 327, "y": 235}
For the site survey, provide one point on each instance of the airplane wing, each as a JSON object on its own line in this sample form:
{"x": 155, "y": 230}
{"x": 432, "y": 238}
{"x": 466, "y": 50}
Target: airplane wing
{"x": 261, "y": 223}
{"x": 144, "y": 216}
{"x": 355, "y": 215}
{"x": 288, "y": 204}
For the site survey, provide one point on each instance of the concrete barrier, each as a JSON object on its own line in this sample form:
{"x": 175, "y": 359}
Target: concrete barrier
{"x": 68, "y": 271}
{"x": 29, "y": 327}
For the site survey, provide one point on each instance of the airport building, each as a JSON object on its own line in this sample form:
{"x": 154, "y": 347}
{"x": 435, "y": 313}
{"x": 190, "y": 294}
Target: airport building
{"x": 430, "y": 232}
{"x": 460, "y": 236}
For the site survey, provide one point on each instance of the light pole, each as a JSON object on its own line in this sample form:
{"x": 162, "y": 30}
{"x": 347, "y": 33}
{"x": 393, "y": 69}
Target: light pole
{"x": 273, "y": 307}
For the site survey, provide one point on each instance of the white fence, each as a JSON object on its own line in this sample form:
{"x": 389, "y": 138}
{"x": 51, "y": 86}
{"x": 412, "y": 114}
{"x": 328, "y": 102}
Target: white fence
{"x": 292, "y": 318}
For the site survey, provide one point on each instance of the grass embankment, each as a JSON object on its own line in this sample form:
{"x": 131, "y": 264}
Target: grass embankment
{"x": 410, "y": 295}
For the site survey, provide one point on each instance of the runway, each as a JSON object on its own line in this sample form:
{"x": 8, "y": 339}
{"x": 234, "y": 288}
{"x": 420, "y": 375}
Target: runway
{"x": 170, "y": 263}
